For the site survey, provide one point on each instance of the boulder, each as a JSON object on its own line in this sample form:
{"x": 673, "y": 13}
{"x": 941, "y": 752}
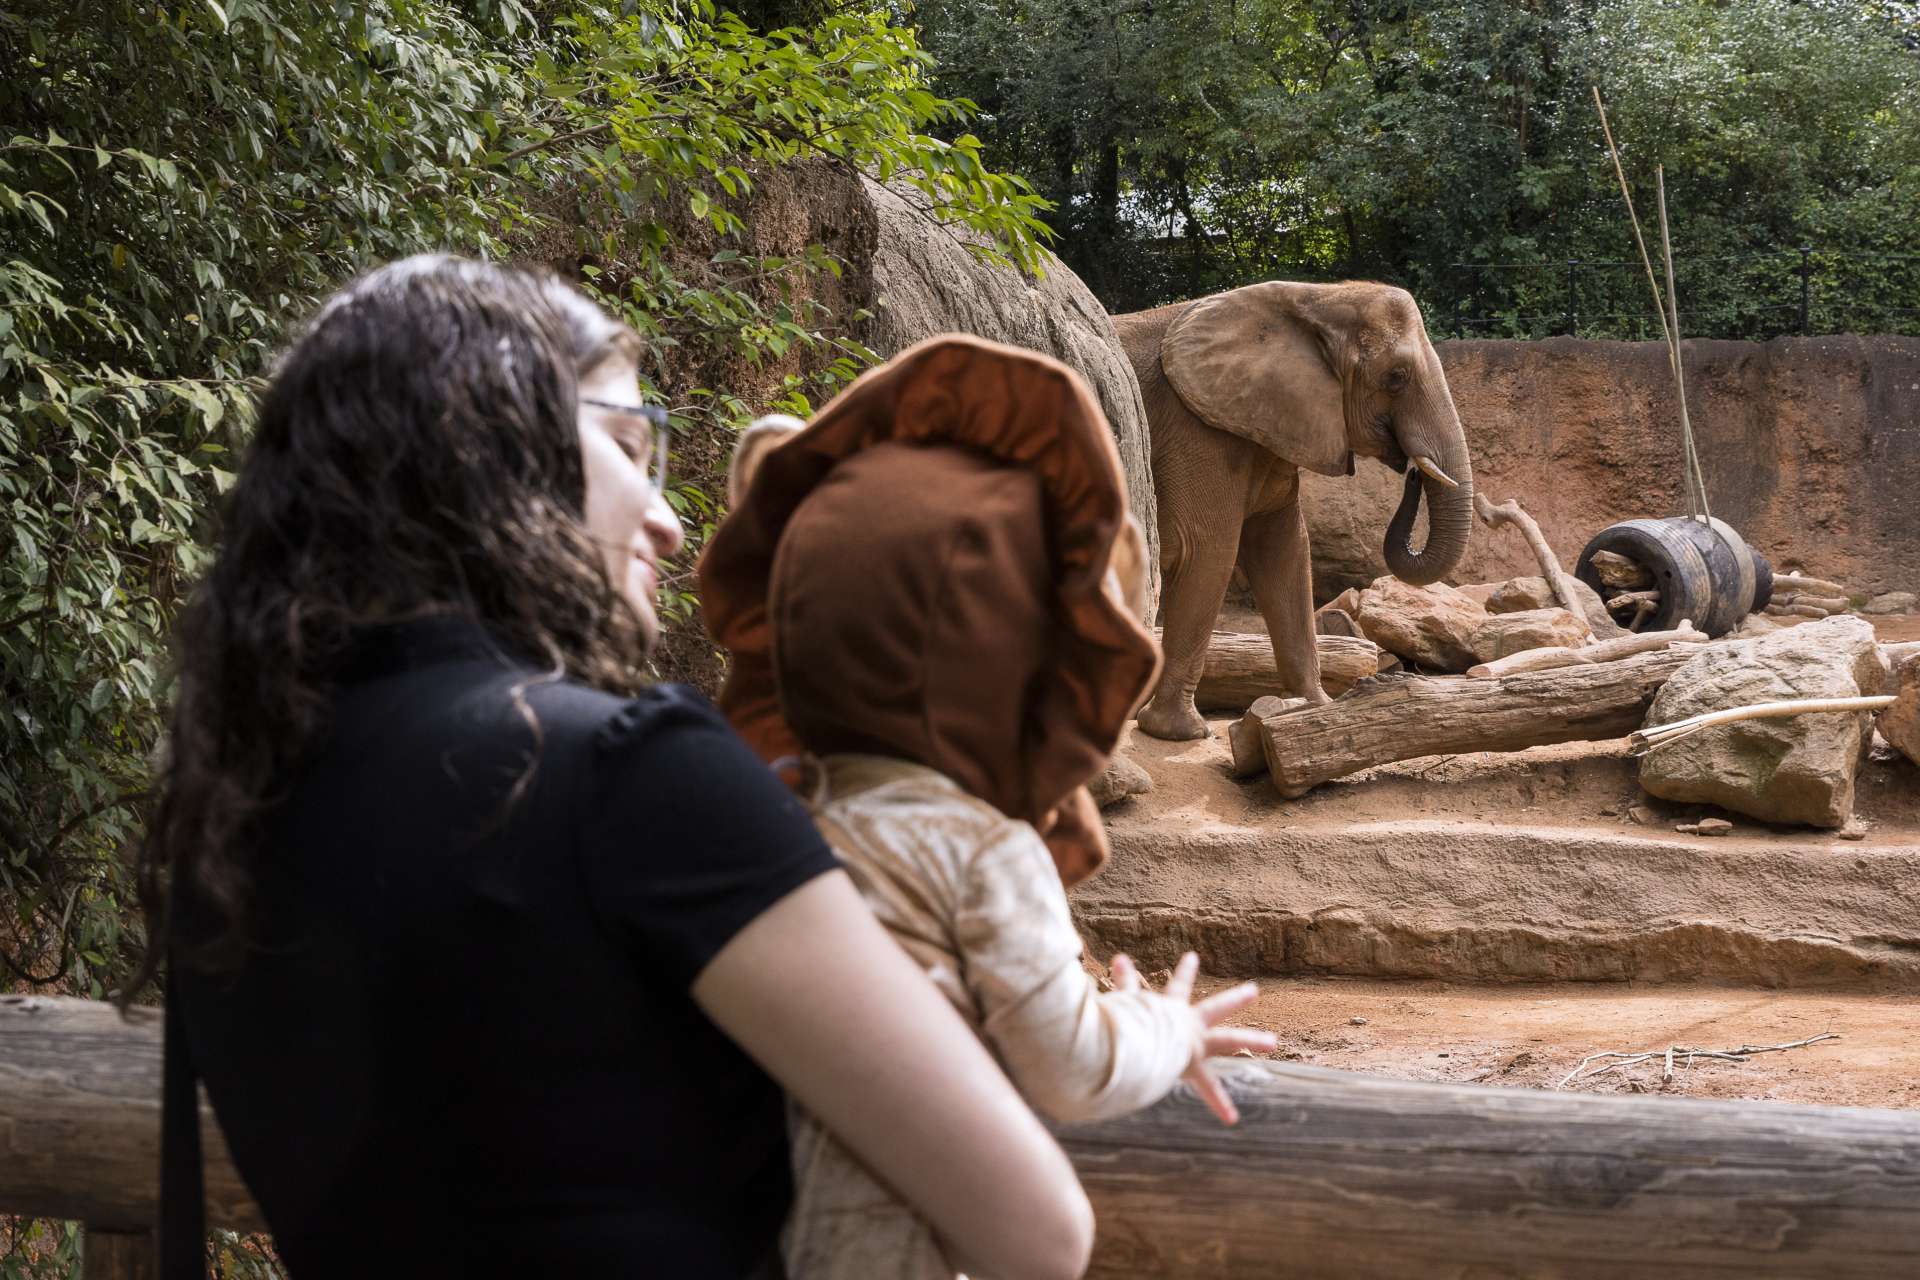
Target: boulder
{"x": 1797, "y": 769}
{"x": 1430, "y": 626}
{"x": 1517, "y": 595}
{"x": 926, "y": 281}
{"x": 1122, "y": 779}
{"x": 1900, "y": 723}
{"x": 1509, "y": 633}
{"x": 1891, "y": 602}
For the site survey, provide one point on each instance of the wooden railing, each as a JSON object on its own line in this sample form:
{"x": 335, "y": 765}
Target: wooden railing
{"x": 1329, "y": 1173}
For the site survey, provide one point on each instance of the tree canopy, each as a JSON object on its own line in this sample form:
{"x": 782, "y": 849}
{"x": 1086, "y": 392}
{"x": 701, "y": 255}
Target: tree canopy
{"x": 1453, "y": 147}
{"x": 179, "y": 185}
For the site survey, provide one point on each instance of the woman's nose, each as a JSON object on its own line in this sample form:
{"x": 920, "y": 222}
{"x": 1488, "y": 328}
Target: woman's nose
{"x": 663, "y": 527}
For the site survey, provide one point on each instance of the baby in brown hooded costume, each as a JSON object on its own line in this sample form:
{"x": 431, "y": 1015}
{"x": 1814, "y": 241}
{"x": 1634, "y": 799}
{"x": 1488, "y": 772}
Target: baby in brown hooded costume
{"x": 924, "y": 595}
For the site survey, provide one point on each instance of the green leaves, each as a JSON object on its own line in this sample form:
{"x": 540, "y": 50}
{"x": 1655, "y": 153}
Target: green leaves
{"x": 200, "y": 174}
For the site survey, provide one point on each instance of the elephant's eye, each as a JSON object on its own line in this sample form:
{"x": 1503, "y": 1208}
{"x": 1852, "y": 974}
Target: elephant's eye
{"x": 1396, "y": 379}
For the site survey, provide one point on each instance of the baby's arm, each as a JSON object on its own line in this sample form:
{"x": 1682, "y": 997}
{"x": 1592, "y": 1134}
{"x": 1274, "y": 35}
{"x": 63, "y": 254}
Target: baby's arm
{"x": 1076, "y": 1053}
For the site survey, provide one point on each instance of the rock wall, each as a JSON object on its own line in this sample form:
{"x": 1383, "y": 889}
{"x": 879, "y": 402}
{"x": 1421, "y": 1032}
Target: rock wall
{"x": 925, "y": 281}
{"x": 1810, "y": 448}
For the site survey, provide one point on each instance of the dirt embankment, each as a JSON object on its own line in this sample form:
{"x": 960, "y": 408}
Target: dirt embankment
{"x": 1810, "y": 448}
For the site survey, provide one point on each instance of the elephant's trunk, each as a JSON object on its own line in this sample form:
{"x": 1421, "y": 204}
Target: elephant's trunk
{"x": 1449, "y": 520}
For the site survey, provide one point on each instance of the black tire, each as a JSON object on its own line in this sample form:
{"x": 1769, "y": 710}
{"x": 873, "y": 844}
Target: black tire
{"x": 1679, "y": 570}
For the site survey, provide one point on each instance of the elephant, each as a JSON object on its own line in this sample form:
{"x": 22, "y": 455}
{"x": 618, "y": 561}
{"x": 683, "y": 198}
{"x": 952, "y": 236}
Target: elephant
{"x": 1244, "y": 388}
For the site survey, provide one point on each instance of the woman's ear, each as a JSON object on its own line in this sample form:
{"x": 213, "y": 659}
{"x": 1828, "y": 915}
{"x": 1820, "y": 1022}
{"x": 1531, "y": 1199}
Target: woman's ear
{"x": 764, "y": 434}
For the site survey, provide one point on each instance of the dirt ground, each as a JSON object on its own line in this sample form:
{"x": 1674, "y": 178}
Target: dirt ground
{"x": 1477, "y": 867}
{"x": 1533, "y": 1035}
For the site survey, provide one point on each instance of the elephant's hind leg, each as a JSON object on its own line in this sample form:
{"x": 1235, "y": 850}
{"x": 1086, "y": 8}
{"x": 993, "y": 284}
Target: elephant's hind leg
{"x": 1196, "y": 583}
{"x": 1279, "y": 566}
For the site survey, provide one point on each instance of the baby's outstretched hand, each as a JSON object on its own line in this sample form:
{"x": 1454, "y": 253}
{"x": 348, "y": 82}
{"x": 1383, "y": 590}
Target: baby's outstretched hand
{"x": 1210, "y": 1039}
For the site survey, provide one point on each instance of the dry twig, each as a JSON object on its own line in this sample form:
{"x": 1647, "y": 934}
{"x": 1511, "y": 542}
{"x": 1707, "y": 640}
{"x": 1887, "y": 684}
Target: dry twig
{"x": 1741, "y": 1053}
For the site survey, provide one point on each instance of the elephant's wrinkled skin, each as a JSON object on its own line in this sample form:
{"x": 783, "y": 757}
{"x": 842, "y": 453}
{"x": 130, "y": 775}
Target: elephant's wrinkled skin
{"x": 1244, "y": 388}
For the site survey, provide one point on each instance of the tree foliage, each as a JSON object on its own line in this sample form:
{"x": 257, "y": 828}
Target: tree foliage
{"x": 1192, "y": 146}
{"x": 179, "y": 185}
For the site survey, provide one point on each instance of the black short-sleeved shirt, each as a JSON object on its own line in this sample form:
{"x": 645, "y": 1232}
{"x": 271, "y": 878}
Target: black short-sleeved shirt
{"x": 462, "y": 1042}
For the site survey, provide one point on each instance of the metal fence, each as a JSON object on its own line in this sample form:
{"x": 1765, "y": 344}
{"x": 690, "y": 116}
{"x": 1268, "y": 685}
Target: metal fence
{"x": 1804, "y": 290}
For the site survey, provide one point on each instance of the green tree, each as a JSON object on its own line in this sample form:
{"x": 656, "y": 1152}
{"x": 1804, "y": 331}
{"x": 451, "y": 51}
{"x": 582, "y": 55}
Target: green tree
{"x": 1192, "y": 146}
{"x": 176, "y": 186}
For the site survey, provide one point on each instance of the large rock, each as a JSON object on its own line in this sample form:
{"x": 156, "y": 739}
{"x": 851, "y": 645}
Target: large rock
{"x": 1431, "y": 626}
{"x": 1797, "y": 769}
{"x": 1517, "y": 595}
{"x": 925, "y": 281}
{"x": 1504, "y": 634}
{"x": 1900, "y": 723}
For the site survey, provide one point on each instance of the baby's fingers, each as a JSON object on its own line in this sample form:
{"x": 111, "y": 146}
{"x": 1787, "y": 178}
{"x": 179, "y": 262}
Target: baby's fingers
{"x": 1125, "y": 976}
{"x": 1180, "y": 985}
{"x": 1213, "y": 1093}
{"x": 1222, "y": 1003}
{"x": 1221, "y": 1041}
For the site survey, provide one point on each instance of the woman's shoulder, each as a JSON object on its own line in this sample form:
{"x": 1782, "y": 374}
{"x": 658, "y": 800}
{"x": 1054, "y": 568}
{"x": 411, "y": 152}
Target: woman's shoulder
{"x": 610, "y": 724}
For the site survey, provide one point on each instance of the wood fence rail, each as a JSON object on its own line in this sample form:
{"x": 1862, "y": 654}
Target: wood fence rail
{"x": 1329, "y": 1173}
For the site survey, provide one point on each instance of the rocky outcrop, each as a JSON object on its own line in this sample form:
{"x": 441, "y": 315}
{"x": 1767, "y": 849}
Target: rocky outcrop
{"x": 1433, "y": 627}
{"x": 1518, "y": 594}
{"x": 1798, "y": 769}
{"x": 1503, "y": 634}
{"x": 926, "y": 281}
{"x": 1900, "y": 723}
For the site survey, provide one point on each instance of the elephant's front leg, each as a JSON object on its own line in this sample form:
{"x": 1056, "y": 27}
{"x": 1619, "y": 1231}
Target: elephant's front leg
{"x": 1199, "y": 566}
{"x": 1279, "y": 567}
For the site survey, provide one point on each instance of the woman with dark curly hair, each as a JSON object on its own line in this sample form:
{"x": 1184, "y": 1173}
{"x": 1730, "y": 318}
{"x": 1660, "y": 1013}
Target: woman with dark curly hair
{"x": 492, "y": 961}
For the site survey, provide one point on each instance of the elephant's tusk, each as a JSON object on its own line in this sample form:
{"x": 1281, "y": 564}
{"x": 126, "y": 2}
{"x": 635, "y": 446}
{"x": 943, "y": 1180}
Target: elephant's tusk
{"x": 1428, "y": 468}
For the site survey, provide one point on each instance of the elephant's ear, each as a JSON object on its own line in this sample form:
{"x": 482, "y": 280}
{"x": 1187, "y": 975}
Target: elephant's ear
{"x": 1258, "y": 362}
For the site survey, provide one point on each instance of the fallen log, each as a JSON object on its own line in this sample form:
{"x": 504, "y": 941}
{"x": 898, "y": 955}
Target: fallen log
{"x": 1243, "y": 735}
{"x": 1801, "y": 584}
{"x": 1509, "y": 512}
{"x": 1546, "y": 659}
{"x": 1798, "y": 611}
{"x": 1897, "y": 652}
{"x": 1399, "y": 717}
{"x": 1786, "y": 599}
{"x": 1328, "y": 1173}
{"x": 1240, "y": 668}
{"x": 1620, "y": 573}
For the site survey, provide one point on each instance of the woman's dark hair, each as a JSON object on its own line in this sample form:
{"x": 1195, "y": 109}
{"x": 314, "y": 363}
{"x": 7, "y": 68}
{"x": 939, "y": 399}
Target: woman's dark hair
{"x": 417, "y": 452}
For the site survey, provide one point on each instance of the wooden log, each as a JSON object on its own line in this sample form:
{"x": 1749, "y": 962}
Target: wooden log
{"x": 1249, "y": 747}
{"x": 1509, "y": 512}
{"x": 1801, "y": 584}
{"x": 118, "y": 1255}
{"x": 1336, "y": 1174}
{"x": 1240, "y": 668}
{"x": 1328, "y": 1173}
{"x": 1336, "y": 622}
{"x": 80, "y": 1119}
{"x": 1620, "y": 573}
{"x": 1546, "y": 659}
{"x": 1897, "y": 652}
{"x": 1798, "y": 611}
{"x": 1401, "y": 717}
{"x": 1634, "y": 598}
{"x": 1832, "y": 604}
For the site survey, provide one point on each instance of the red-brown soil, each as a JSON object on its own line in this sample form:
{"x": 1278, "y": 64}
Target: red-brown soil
{"x": 1532, "y": 1036}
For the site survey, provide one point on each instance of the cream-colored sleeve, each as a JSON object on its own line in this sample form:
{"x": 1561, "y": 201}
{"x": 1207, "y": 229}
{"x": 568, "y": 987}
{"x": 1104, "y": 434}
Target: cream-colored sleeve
{"x": 1075, "y": 1053}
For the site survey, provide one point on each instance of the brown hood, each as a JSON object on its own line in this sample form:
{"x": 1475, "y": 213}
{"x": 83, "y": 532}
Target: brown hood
{"x": 926, "y": 572}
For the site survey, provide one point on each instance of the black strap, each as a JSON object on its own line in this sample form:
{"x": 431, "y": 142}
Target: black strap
{"x": 183, "y": 1192}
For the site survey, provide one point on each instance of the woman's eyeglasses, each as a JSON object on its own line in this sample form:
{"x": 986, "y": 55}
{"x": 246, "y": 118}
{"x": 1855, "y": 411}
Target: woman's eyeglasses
{"x": 657, "y": 417}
